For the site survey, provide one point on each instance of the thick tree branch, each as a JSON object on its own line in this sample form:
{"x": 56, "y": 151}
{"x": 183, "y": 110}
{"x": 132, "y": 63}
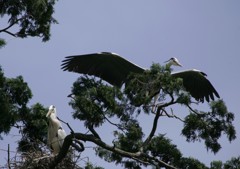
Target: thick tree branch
{"x": 93, "y": 131}
{"x": 154, "y": 127}
{"x": 160, "y": 108}
{"x": 141, "y": 157}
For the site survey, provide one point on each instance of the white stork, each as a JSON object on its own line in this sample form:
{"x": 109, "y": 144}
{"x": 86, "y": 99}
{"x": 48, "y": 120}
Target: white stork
{"x": 56, "y": 134}
{"x": 115, "y": 70}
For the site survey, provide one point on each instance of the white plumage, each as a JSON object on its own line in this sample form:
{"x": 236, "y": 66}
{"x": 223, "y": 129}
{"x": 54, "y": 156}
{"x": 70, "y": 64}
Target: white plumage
{"x": 56, "y": 134}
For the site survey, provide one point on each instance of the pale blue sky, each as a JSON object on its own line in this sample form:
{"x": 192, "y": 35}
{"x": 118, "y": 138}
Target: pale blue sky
{"x": 202, "y": 34}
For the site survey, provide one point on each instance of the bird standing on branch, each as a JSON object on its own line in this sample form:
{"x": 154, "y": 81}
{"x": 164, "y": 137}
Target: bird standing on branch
{"x": 115, "y": 70}
{"x": 56, "y": 134}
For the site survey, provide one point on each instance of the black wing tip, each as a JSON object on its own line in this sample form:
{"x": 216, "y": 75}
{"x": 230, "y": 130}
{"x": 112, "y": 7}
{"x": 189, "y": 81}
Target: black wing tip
{"x": 216, "y": 94}
{"x": 210, "y": 97}
{"x": 65, "y": 65}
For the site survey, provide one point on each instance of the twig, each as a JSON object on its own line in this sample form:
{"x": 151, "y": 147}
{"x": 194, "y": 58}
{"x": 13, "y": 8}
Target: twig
{"x": 172, "y": 116}
{"x": 117, "y": 125}
{"x": 193, "y": 110}
{"x": 66, "y": 124}
{"x": 40, "y": 158}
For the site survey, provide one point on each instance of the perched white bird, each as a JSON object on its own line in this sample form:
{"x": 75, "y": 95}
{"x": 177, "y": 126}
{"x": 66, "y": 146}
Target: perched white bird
{"x": 56, "y": 134}
{"x": 115, "y": 70}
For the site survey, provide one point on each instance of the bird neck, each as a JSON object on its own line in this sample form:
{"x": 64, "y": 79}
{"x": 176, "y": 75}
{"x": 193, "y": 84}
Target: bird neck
{"x": 54, "y": 121}
{"x": 169, "y": 64}
{"x": 168, "y": 67}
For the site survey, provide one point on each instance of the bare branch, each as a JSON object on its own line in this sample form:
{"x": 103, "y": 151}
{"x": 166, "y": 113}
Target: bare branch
{"x": 66, "y": 124}
{"x": 12, "y": 24}
{"x": 117, "y": 125}
{"x": 154, "y": 127}
{"x": 193, "y": 110}
{"x": 90, "y": 127}
{"x": 172, "y": 116}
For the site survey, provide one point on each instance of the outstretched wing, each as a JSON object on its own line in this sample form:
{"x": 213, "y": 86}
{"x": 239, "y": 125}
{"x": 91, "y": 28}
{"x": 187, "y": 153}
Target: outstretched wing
{"x": 196, "y": 83}
{"x": 108, "y": 66}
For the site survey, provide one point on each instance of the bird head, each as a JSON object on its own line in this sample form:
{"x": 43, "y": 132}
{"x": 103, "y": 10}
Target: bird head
{"x": 51, "y": 111}
{"x": 173, "y": 61}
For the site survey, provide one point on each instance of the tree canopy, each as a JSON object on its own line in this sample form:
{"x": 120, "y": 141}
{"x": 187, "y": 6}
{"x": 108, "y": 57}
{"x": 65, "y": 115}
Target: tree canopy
{"x": 97, "y": 104}
{"x": 27, "y": 18}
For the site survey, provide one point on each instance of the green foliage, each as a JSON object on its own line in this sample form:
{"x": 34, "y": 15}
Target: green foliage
{"x": 209, "y": 126}
{"x": 14, "y": 96}
{"x": 131, "y": 139}
{"x": 192, "y": 163}
{"x": 34, "y": 130}
{"x": 2, "y": 43}
{"x": 143, "y": 87}
{"x": 33, "y": 17}
{"x": 162, "y": 148}
{"x": 216, "y": 165}
{"x": 91, "y": 166}
{"x": 96, "y": 103}
{"x": 233, "y": 163}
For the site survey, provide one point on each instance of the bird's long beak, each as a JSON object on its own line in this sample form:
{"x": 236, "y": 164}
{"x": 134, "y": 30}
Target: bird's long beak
{"x": 178, "y": 64}
{"x": 49, "y": 113}
{"x": 167, "y": 61}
